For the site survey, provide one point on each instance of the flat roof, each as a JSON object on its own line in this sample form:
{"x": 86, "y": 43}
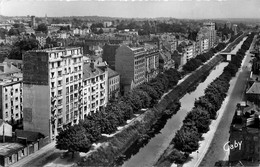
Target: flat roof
{"x": 9, "y": 148}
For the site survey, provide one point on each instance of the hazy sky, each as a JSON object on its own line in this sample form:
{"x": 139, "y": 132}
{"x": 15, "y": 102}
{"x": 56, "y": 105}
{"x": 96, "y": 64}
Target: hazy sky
{"x": 134, "y": 8}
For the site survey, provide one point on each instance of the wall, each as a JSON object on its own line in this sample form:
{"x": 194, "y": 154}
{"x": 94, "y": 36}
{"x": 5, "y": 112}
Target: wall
{"x": 125, "y": 66}
{"x": 36, "y": 108}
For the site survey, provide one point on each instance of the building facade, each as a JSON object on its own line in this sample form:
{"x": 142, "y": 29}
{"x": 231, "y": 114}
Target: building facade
{"x": 136, "y": 65}
{"x": 113, "y": 84}
{"x": 95, "y": 84}
{"x": 52, "y": 89}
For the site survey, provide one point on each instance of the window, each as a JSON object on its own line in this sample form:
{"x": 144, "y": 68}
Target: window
{"x": 17, "y": 115}
{"x": 67, "y": 117}
{"x": 16, "y": 90}
{"x": 6, "y": 97}
{"x": 67, "y": 109}
{"x": 60, "y": 102}
{"x": 71, "y": 98}
{"x": 59, "y": 73}
{"x": 67, "y": 100}
{"x": 79, "y": 68}
{"x": 59, "y": 92}
{"x": 59, "y": 82}
{"x": 52, "y": 84}
{"x": 52, "y": 65}
{"x": 71, "y": 88}
{"x": 67, "y": 80}
{"x": 52, "y": 75}
{"x": 58, "y": 63}
{"x": 6, "y": 114}
{"x": 67, "y": 90}
{"x": 75, "y": 87}
{"x": 16, "y": 99}
{"x": 6, "y": 106}
{"x": 71, "y": 78}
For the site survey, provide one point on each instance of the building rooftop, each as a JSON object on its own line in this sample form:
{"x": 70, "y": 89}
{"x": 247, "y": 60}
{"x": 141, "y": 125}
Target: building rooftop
{"x": 8, "y": 148}
{"x": 55, "y": 49}
{"x": 29, "y": 135}
{"x": 254, "y": 89}
{"x": 111, "y": 72}
{"x": 90, "y": 72}
{"x": 8, "y": 68}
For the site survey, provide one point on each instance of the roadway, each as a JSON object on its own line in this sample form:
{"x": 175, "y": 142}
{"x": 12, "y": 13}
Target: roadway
{"x": 215, "y": 152}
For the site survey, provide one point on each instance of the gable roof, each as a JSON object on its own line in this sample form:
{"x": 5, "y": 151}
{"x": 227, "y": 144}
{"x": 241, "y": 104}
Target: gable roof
{"x": 254, "y": 89}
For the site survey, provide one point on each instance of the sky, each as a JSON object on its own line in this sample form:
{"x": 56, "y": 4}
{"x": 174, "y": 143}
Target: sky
{"x": 193, "y": 9}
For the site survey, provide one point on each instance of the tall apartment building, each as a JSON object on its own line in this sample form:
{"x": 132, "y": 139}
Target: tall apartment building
{"x": 11, "y": 109}
{"x": 152, "y": 61}
{"x": 52, "y": 88}
{"x": 95, "y": 80}
{"x": 210, "y": 26}
{"x": 135, "y": 65}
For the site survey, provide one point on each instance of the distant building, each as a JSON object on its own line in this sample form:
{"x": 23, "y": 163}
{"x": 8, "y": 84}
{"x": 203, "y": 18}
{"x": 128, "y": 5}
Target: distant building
{"x": 41, "y": 38}
{"x": 33, "y": 22}
{"x": 165, "y": 61}
{"x": 109, "y": 52}
{"x": 107, "y": 23}
{"x": 136, "y": 65}
{"x": 234, "y": 28}
{"x": 113, "y": 84}
{"x": 95, "y": 81}
{"x": 52, "y": 88}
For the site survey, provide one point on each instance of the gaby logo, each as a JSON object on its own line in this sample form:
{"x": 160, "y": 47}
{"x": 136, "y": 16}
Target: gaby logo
{"x": 229, "y": 146}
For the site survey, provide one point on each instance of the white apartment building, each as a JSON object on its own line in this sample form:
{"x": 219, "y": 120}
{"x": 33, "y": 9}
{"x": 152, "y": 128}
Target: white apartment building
{"x": 95, "y": 84}
{"x": 204, "y": 45}
{"x": 11, "y": 109}
{"x": 52, "y": 89}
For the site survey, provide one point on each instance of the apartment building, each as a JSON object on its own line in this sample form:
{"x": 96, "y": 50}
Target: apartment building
{"x": 136, "y": 65}
{"x": 52, "y": 89}
{"x": 11, "y": 99}
{"x": 41, "y": 38}
{"x": 152, "y": 61}
{"x": 113, "y": 84}
{"x": 95, "y": 84}
{"x": 210, "y": 26}
{"x": 11, "y": 109}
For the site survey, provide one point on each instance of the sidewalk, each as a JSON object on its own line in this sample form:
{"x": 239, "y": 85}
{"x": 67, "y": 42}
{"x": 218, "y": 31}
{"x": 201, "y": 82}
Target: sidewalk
{"x": 43, "y": 152}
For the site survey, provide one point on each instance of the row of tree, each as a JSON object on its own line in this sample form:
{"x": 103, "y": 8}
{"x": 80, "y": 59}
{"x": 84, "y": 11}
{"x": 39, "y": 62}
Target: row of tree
{"x": 196, "y": 62}
{"x": 205, "y": 109}
{"x": 116, "y": 113}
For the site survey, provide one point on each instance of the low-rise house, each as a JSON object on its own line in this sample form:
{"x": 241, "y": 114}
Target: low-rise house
{"x": 165, "y": 61}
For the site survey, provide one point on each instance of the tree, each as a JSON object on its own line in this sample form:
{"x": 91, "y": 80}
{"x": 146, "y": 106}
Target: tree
{"x": 42, "y": 27}
{"x": 13, "y": 31}
{"x": 92, "y": 128}
{"x": 177, "y": 157}
{"x": 187, "y": 139}
{"x": 200, "y": 118}
{"x": 73, "y": 139}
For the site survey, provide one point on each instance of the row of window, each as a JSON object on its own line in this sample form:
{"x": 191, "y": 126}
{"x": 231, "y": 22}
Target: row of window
{"x": 66, "y": 62}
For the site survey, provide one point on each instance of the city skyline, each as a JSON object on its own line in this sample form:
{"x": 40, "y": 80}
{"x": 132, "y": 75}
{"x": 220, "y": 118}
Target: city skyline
{"x": 194, "y": 9}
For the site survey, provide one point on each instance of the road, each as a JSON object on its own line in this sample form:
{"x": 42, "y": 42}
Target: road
{"x": 38, "y": 158}
{"x": 215, "y": 151}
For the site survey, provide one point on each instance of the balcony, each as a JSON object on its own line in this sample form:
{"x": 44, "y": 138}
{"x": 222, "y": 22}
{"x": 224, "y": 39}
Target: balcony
{"x": 53, "y": 99}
